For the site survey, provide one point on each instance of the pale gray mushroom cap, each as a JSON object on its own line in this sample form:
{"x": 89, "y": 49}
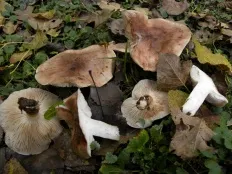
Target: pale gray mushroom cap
{"x": 26, "y": 133}
{"x": 146, "y": 103}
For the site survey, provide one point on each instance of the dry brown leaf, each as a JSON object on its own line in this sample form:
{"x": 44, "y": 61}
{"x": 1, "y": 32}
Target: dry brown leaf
{"x": 173, "y": 7}
{"x": 171, "y": 73}
{"x": 44, "y": 24}
{"x": 25, "y": 14}
{"x": 112, "y": 6}
{"x": 2, "y": 20}
{"x": 192, "y": 133}
{"x": 98, "y": 17}
{"x": 9, "y": 28}
{"x": 69, "y": 115}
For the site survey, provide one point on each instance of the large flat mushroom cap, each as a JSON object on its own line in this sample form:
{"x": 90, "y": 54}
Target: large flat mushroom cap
{"x": 71, "y": 67}
{"x": 150, "y": 37}
{"x": 29, "y": 134}
{"x": 157, "y": 107}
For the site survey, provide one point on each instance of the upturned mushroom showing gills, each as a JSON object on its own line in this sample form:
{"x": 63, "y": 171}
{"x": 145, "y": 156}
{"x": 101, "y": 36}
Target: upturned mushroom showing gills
{"x": 204, "y": 89}
{"x": 27, "y": 132}
{"x": 150, "y": 37}
{"x": 84, "y": 128}
{"x": 73, "y": 67}
{"x": 146, "y": 105}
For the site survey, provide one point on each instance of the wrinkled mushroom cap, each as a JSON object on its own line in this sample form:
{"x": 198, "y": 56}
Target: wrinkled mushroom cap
{"x": 71, "y": 67}
{"x": 150, "y": 37}
{"x": 29, "y": 134}
{"x": 158, "y": 106}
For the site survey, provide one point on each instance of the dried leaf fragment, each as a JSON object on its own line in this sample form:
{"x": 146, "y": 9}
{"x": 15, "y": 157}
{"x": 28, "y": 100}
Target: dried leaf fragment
{"x": 9, "y": 28}
{"x": 173, "y": 7}
{"x": 171, "y": 73}
{"x": 16, "y": 57}
{"x": 205, "y": 55}
{"x": 13, "y": 166}
{"x": 192, "y": 133}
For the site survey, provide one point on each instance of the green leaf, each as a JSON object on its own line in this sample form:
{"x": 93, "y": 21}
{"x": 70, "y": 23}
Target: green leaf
{"x": 69, "y": 44}
{"x": 213, "y": 166}
{"x": 123, "y": 158}
{"x": 208, "y": 154}
{"x": 51, "y": 112}
{"x": 181, "y": 171}
{"x": 94, "y": 145}
{"x": 9, "y": 49}
{"x": 110, "y": 158}
{"x": 156, "y": 134}
{"x": 138, "y": 143}
{"x": 110, "y": 169}
{"x": 40, "y": 57}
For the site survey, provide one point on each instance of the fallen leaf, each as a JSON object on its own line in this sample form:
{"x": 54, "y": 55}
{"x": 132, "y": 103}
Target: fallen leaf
{"x": 45, "y": 15}
{"x": 97, "y": 17}
{"x": 43, "y": 24}
{"x": 25, "y": 14}
{"x": 205, "y": 55}
{"x": 2, "y": 20}
{"x": 53, "y": 33}
{"x": 13, "y": 166}
{"x": 40, "y": 39}
{"x": 227, "y": 32}
{"x": 171, "y": 73}
{"x": 111, "y": 6}
{"x": 16, "y": 57}
{"x": 3, "y": 4}
{"x": 192, "y": 133}
{"x": 9, "y": 28}
{"x": 173, "y": 7}
{"x": 220, "y": 82}
{"x": 117, "y": 26}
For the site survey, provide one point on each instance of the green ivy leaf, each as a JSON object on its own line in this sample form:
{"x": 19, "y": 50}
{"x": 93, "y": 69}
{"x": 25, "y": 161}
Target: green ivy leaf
{"x": 123, "y": 158}
{"x": 156, "y": 134}
{"x": 110, "y": 169}
{"x": 181, "y": 171}
{"x": 138, "y": 143}
{"x": 40, "y": 57}
{"x": 9, "y": 49}
{"x": 213, "y": 166}
{"x": 51, "y": 112}
{"x": 110, "y": 158}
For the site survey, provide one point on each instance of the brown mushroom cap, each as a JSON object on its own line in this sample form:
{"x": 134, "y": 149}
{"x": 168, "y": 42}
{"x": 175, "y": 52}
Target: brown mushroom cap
{"x": 150, "y": 37}
{"x": 71, "y": 67}
{"x": 146, "y": 103}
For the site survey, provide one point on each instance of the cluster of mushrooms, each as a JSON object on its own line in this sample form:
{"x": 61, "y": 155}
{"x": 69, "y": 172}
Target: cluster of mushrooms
{"x": 22, "y": 113}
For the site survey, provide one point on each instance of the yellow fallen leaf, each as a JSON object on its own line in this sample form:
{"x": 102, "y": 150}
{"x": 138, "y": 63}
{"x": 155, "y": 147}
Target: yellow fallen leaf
{"x": 227, "y": 32}
{"x": 205, "y": 55}
{"x": 46, "y": 15}
{"x": 53, "y": 33}
{"x": 16, "y": 57}
{"x": 3, "y": 4}
{"x": 111, "y": 6}
{"x": 13, "y": 166}
{"x": 2, "y": 20}
{"x": 44, "y": 24}
{"x": 40, "y": 40}
{"x": 9, "y": 28}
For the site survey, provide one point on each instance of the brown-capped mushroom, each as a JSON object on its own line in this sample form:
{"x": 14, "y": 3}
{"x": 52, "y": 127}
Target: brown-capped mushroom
{"x": 73, "y": 67}
{"x": 27, "y": 132}
{"x": 146, "y": 105}
{"x": 150, "y": 37}
{"x": 83, "y": 126}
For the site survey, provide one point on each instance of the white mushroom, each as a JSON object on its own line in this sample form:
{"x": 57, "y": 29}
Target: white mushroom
{"x": 146, "y": 105}
{"x": 204, "y": 89}
{"x": 22, "y": 118}
{"x": 91, "y": 127}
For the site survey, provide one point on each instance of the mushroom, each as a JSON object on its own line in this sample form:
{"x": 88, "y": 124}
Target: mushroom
{"x": 73, "y": 67}
{"x": 86, "y": 126}
{"x": 27, "y": 132}
{"x": 204, "y": 89}
{"x": 146, "y": 105}
{"x": 150, "y": 37}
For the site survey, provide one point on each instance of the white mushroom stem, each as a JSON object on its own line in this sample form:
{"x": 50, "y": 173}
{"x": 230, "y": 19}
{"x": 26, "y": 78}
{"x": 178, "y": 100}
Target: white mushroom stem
{"x": 101, "y": 129}
{"x": 204, "y": 89}
{"x": 91, "y": 127}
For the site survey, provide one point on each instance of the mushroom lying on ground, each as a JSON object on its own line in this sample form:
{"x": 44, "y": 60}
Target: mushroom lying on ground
{"x": 204, "y": 89}
{"x": 150, "y": 37}
{"x": 72, "y": 67}
{"x": 22, "y": 119}
{"x": 146, "y": 105}
{"x": 85, "y": 126}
